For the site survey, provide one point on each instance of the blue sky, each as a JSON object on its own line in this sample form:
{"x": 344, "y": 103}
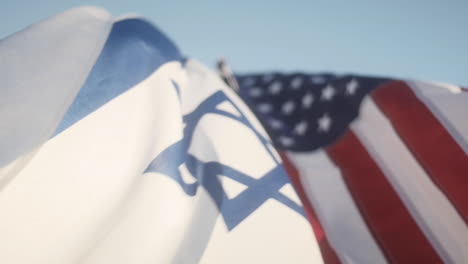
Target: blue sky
{"x": 407, "y": 39}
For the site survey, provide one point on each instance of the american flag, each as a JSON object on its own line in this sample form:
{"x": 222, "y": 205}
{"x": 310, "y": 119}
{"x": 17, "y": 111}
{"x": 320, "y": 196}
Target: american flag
{"x": 381, "y": 165}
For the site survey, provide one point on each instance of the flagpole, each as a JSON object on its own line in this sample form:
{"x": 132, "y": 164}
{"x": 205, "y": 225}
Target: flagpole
{"x": 227, "y": 75}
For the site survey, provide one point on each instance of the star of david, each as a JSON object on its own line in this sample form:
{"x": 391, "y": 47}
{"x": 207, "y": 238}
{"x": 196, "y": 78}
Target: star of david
{"x": 258, "y": 191}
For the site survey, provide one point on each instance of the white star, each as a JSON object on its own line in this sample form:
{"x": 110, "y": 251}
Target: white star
{"x": 264, "y": 108}
{"x": 301, "y": 128}
{"x": 351, "y": 87}
{"x": 255, "y": 92}
{"x": 286, "y": 141}
{"x": 328, "y": 93}
{"x": 307, "y": 100}
{"x": 288, "y": 107}
{"x": 324, "y": 123}
{"x": 275, "y": 87}
{"x": 276, "y": 124}
{"x": 296, "y": 83}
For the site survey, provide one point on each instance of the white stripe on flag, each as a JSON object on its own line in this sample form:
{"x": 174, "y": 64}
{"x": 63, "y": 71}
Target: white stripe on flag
{"x": 335, "y": 208}
{"x": 449, "y": 107}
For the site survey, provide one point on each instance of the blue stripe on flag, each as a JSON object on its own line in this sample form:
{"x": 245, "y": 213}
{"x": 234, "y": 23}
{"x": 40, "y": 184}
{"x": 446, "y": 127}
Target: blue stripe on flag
{"x": 133, "y": 51}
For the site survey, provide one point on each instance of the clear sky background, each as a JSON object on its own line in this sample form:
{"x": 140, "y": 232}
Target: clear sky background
{"x": 418, "y": 39}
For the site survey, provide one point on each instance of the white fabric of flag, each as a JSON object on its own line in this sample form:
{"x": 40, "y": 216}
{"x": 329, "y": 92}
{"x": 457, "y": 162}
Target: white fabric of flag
{"x": 116, "y": 149}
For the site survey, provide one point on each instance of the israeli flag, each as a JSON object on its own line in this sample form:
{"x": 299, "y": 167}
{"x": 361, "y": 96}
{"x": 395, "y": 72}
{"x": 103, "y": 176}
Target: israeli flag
{"x": 115, "y": 148}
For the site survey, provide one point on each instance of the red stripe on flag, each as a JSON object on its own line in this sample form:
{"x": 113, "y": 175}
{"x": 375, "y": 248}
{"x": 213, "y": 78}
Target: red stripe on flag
{"x": 430, "y": 143}
{"x": 389, "y": 221}
{"x": 328, "y": 253}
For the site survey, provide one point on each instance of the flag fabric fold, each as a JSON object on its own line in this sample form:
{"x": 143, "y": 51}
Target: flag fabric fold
{"x": 117, "y": 149}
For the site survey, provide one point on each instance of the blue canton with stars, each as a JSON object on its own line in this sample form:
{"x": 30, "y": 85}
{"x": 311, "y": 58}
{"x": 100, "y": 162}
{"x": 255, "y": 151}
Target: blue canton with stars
{"x": 304, "y": 112}
{"x": 258, "y": 191}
